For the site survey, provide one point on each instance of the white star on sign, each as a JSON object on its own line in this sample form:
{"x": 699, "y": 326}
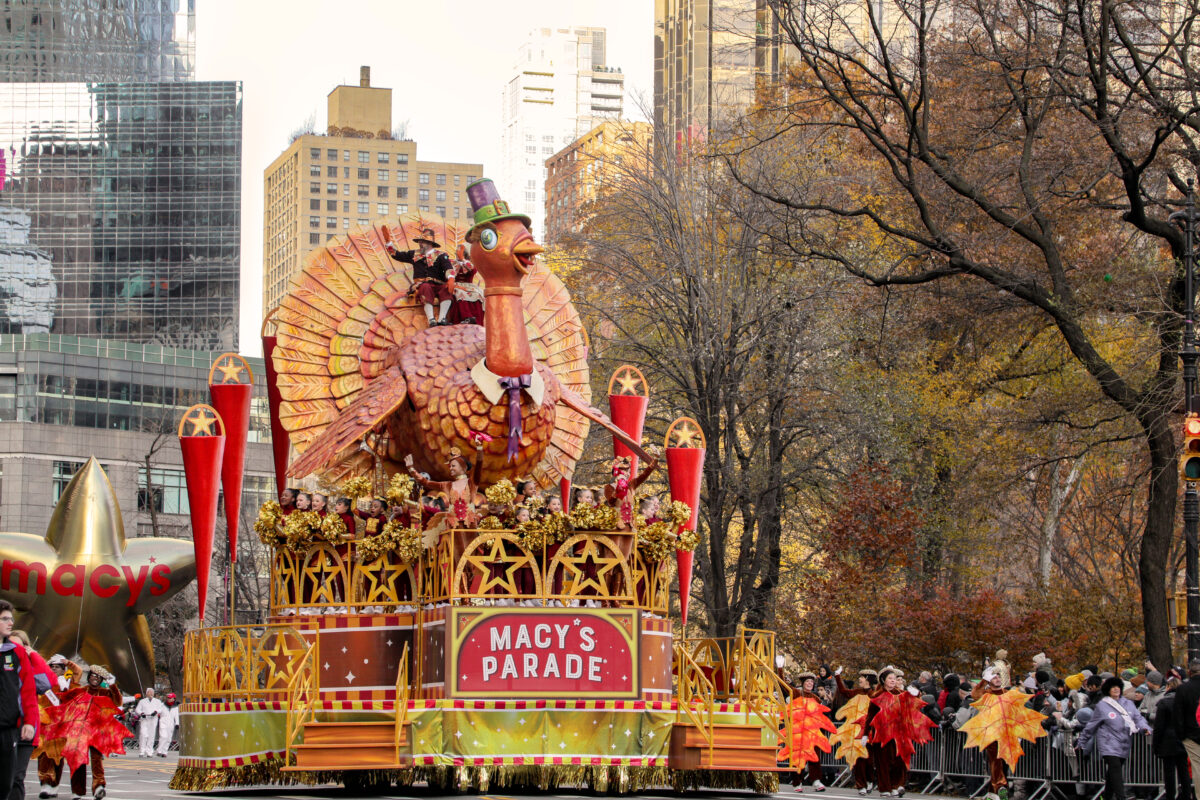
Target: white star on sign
{"x": 389, "y": 642}
{"x": 366, "y": 661}
{"x": 326, "y": 665}
{"x": 343, "y": 650}
{"x": 522, "y": 720}
{"x": 562, "y": 745}
{"x": 225, "y": 734}
{"x": 458, "y": 734}
{"x": 350, "y": 676}
{"x": 628, "y": 732}
{"x": 650, "y": 734}
{"x": 577, "y": 620}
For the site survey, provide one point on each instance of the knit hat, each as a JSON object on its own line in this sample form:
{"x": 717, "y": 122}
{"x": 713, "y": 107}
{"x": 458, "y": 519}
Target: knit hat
{"x": 1073, "y": 682}
{"x": 1129, "y": 673}
{"x": 57, "y": 658}
{"x": 1155, "y": 677}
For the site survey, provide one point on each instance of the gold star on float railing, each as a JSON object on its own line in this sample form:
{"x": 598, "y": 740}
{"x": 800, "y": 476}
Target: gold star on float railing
{"x": 231, "y": 371}
{"x": 685, "y": 435}
{"x": 105, "y": 622}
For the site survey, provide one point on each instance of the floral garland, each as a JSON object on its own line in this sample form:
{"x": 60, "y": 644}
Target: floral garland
{"x": 356, "y": 488}
{"x": 267, "y": 523}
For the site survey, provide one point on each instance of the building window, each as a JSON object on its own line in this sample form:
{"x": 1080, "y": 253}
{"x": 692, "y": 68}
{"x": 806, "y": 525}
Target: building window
{"x": 345, "y": 207}
{"x": 470, "y": 179}
{"x": 364, "y": 174}
{"x": 530, "y": 197}
{"x": 423, "y": 195}
{"x": 381, "y": 209}
{"x": 362, "y": 223}
{"x": 424, "y": 208}
{"x": 331, "y": 172}
{"x": 441, "y": 179}
{"x": 331, "y": 188}
{"x": 401, "y": 158}
{"x": 345, "y": 155}
{"x": 63, "y": 472}
{"x": 441, "y": 211}
{"x": 423, "y": 178}
{"x": 441, "y": 195}
{"x": 314, "y": 222}
{"x": 381, "y": 175}
{"x": 314, "y": 204}
{"x": 315, "y": 187}
{"x": 363, "y": 156}
{"x": 331, "y": 222}
{"x": 345, "y": 188}
{"x": 167, "y": 491}
{"x": 331, "y": 205}
{"x": 314, "y": 170}
{"x": 364, "y": 208}
{"x": 456, "y": 212}
{"x": 345, "y": 224}
{"x": 457, "y": 178}
{"x": 345, "y": 172}
{"x": 331, "y": 154}
{"x": 401, "y": 192}
{"x": 531, "y": 148}
{"x": 402, "y": 176}
{"x": 402, "y": 208}
{"x": 314, "y": 238}
{"x": 314, "y": 153}
{"x": 456, "y": 197}
{"x": 381, "y": 191}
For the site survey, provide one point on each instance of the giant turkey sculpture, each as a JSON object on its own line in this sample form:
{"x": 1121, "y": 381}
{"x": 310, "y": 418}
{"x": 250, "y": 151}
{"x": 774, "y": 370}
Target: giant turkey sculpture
{"x": 362, "y": 376}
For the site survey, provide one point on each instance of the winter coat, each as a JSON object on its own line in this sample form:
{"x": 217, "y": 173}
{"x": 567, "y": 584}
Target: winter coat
{"x": 1149, "y": 703}
{"x": 1166, "y": 740}
{"x": 1187, "y": 698}
{"x": 1109, "y": 731}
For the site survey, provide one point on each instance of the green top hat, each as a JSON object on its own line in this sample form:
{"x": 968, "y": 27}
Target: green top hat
{"x": 487, "y": 205}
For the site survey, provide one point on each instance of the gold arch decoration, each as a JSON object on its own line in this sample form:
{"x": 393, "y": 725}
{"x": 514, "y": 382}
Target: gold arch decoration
{"x": 684, "y": 432}
{"x": 628, "y": 379}
{"x": 232, "y": 367}
{"x": 498, "y": 557}
{"x": 202, "y": 418}
{"x": 586, "y": 563}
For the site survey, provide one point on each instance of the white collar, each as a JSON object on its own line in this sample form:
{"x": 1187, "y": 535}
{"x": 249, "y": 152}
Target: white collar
{"x": 489, "y": 383}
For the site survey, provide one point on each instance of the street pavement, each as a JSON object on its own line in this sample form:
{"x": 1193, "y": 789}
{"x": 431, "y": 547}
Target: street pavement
{"x": 133, "y": 778}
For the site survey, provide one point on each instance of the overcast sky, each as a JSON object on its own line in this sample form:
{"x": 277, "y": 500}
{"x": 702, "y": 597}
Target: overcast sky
{"x": 446, "y": 62}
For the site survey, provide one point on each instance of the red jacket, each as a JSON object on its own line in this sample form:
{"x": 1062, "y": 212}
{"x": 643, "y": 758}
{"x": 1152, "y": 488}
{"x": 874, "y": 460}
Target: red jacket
{"x": 27, "y": 713}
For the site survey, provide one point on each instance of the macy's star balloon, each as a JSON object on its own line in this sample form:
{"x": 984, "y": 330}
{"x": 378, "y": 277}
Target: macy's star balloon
{"x": 84, "y": 590}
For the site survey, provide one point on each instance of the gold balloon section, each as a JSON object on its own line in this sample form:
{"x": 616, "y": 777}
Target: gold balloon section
{"x": 84, "y": 550}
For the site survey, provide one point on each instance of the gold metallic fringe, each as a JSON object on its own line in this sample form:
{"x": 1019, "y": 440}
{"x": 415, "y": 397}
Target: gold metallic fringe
{"x": 614, "y": 779}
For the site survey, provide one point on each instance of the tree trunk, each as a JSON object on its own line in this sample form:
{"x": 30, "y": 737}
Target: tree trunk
{"x": 1059, "y": 497}
{"x": 1156, "y": 540}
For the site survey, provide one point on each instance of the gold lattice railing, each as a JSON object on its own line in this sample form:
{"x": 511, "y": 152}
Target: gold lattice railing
{"x": 603, "y": 568}
{"x": 694, "y": 697}
{"x": 237, "y": 664}
{"x": 303, "y": 697}
{"x": 402, "y": 688}
{"x": 759, "y": 688}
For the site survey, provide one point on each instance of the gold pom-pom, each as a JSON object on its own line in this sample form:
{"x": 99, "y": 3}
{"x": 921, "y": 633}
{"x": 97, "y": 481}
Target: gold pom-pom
{"x": 678, "y": 512}
{"x": 356, "y": 488}
{"x": 533, "y": 535}
{"x": 490, "y": 523}
{"x": 409, "y": 546}
{"x": 267, "y": 523}
{"x": 656, "y": 540}
{"x": 300, "y": 527}
{"x": 402, "y": 540}
{"x": 687, "y": 541}
{"x": 594, "y": 518}
{"x": 502, "y": 492}
{"x": 399, "y": 488}
{"x": 333, "y": 528}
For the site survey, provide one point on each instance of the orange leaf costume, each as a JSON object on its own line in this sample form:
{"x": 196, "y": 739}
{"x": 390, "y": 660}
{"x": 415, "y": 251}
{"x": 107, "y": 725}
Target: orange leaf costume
{"x": 900, "y": 720}
{"x": 809, "y": 721}
{"x": 86, "y": 719}
{"x": 1004, "y": 720}
{"x": 848, "y": 737}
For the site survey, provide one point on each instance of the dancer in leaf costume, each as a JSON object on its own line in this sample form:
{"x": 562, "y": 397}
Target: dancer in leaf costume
{"x": 86, "y": 723}
{"x": 809, "y": 720}
{"x": 851, "y": 737}
{"x": 895, "y": 726}
{"x": 1002, "y": 722}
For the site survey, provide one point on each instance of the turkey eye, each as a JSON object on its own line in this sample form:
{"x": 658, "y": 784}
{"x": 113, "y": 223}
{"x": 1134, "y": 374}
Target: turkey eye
{"x": 488, "y": 239}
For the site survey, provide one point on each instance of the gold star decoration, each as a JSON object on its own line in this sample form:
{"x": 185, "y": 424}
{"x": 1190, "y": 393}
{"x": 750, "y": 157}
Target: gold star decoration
{"x": 280, "y": 653}
{"x": 199, "y": 421}
{"x": 498, "y": 568}
{"x": 588, "y": 569}
{"x": 628, "y": 379}
{"x": 684, "y": 432}
{"x": 82, "y": 589}
{"x": 232, "y": 367}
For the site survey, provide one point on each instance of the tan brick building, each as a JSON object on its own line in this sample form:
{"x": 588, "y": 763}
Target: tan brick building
{"x": 324, "y": 185}
{"x": 576, "y": 174}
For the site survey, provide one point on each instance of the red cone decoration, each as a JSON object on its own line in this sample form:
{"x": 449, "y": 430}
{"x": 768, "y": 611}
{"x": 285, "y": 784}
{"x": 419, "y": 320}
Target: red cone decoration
{"x": 279, "y": 435}
{"x": 202, "y": 441}
{"x": 231, "y": 399}
{"x": 628, "y": 396}
{"x": 685, "y": 468}
{"x": 564, "y": 491}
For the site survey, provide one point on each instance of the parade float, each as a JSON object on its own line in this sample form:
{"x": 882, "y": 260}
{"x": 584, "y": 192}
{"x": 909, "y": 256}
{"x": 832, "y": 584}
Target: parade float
{"x": 453, "y": 644}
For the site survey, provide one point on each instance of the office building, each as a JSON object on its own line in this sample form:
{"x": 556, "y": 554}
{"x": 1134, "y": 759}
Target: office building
{"x": 577, "y": 174}
{"x": 562, "y": 87}
{"x": 709, "y": 58}
{"x": 356, "y": 173}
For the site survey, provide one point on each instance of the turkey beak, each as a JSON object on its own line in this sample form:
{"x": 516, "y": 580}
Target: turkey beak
{"x": 524, "y": 251}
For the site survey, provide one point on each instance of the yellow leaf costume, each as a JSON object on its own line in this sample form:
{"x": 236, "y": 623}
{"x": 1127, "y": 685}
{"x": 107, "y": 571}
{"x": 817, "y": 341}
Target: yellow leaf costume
{"x": 848, "y": 737}
{"x": 809, "y": 721}
{"x": 1003, "y": 719}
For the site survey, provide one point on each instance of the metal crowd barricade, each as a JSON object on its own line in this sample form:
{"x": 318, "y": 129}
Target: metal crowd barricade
{"x": 831, "y": 762}
{"x": 926, "y": 761}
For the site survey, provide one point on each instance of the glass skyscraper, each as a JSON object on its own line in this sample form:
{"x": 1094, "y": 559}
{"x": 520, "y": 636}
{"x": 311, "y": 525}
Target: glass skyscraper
{"x": 124, "y": 176}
